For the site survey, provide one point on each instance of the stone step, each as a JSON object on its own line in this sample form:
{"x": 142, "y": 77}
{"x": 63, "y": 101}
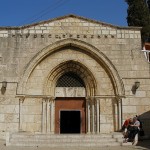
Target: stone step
{"x": 59, "y": 145}
{"x": 117, "y": 135}
{"x": 120, "y": 139}
{"x": 60, "y": 136}
{"x": 127, "y": 144}
{"x": 65, "y": 140}
{"x": 62, "y": 140}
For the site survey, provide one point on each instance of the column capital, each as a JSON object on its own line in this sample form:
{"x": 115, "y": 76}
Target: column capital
{"x": 119, "y": 100}
{"x": 87, "y": 98}
{"x": 44, "y": 100}
{"x": 52, "y": 98}
{"x": 21, "y": 99}
{"x": 119, "y": 97}
{"x": 90, "y": 99}
{"x": 93, "y": 100}
{"x": 97, "y": 98}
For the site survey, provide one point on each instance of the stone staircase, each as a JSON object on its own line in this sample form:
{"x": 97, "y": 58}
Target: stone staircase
{"x": 64, "y": 140}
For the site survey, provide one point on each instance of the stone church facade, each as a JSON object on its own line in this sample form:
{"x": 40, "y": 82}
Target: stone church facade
{"x": 72, "y": 75}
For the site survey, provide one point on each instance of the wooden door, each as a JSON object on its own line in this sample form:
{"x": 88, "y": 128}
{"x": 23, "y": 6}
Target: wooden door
{"x": 71, "y": 105}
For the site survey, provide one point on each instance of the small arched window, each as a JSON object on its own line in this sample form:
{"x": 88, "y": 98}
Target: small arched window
{"x": 70, "y": 79}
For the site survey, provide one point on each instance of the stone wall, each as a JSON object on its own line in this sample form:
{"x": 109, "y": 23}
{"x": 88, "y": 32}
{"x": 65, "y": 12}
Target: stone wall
{"x": 106, "y": 115}
{"x": 36, "y": 81}
{"x": 20, "y": 45}
{"x": 138, "y": 103}
{"x": 9, "y": 110}
{"x": 32, "y": 115}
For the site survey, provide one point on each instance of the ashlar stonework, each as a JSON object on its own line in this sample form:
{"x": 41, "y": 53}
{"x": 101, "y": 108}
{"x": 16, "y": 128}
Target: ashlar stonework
{"x": 105, "y": 59}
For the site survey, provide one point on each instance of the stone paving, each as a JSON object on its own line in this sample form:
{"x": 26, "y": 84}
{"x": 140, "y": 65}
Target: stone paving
{"x": 143, "y": 145}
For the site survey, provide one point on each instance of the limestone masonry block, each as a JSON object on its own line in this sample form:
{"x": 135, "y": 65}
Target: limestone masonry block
{"x": 141, "y": 94}
{"x": 3, "y": 32}
{"x": 106, "y": 58}
{"x": 129, "y": 109}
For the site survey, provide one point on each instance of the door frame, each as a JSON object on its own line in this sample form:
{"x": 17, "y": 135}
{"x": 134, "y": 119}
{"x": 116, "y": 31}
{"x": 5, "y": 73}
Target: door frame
{"x": 82, "y": 109}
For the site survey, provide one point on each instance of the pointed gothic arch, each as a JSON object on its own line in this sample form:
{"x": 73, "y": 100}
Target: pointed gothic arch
{"x": 86, "y": 48}
{"x": 70, "y": 66}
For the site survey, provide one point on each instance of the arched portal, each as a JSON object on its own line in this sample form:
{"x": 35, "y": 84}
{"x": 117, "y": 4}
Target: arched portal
{"x": 77, "y": 71}
{"x": 85, "y": 48}
{"x": 102, "y": 84}
{"x": 71, "y": 82}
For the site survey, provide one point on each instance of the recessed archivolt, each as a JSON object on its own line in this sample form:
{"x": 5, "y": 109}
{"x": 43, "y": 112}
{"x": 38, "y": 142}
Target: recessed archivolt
{"x": 86, "y": 48}
{"x": 70, "y": 66}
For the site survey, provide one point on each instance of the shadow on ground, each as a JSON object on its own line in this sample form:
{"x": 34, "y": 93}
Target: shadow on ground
{"x": 145, "y": 119}
{"x": 144, "y": 144}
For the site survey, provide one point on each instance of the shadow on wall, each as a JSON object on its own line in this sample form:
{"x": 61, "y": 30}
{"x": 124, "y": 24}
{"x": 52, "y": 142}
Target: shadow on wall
{"x": 145, "y": 119}
{"x": 3, "y": 90}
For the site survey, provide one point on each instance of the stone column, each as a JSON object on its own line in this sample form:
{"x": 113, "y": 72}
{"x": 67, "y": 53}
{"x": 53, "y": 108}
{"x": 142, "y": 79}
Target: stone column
{"x": 88, "y": 115}
{"x": 21, "y": 100}
{"x": 116, "y": 116}
{"x": 44, "y": 115}
{"x": 120, "y": 113}
{"x": 93, "y": 115}
{"x": 48, "y": 116}
{"x": 98, "y": 114}
{"x": 52, "y": 114}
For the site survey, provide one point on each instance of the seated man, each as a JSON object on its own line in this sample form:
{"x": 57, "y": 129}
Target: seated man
{"x": 126, "y": 126}
{"x": 134, "y": 129}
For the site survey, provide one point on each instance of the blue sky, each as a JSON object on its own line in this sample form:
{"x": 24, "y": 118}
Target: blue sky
{"x": 22, "y": 12}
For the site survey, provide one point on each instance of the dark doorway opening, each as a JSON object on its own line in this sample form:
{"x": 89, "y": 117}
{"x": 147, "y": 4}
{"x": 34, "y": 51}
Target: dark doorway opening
{"x": 70, "y": 122}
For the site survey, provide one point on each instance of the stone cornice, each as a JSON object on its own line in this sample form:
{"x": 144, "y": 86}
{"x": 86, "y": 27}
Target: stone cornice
{"x": 34, "y": 96}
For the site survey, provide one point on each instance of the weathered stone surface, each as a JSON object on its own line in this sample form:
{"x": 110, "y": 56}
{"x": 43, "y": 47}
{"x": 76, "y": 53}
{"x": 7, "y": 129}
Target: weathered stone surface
{"x": 107, "y": 58}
